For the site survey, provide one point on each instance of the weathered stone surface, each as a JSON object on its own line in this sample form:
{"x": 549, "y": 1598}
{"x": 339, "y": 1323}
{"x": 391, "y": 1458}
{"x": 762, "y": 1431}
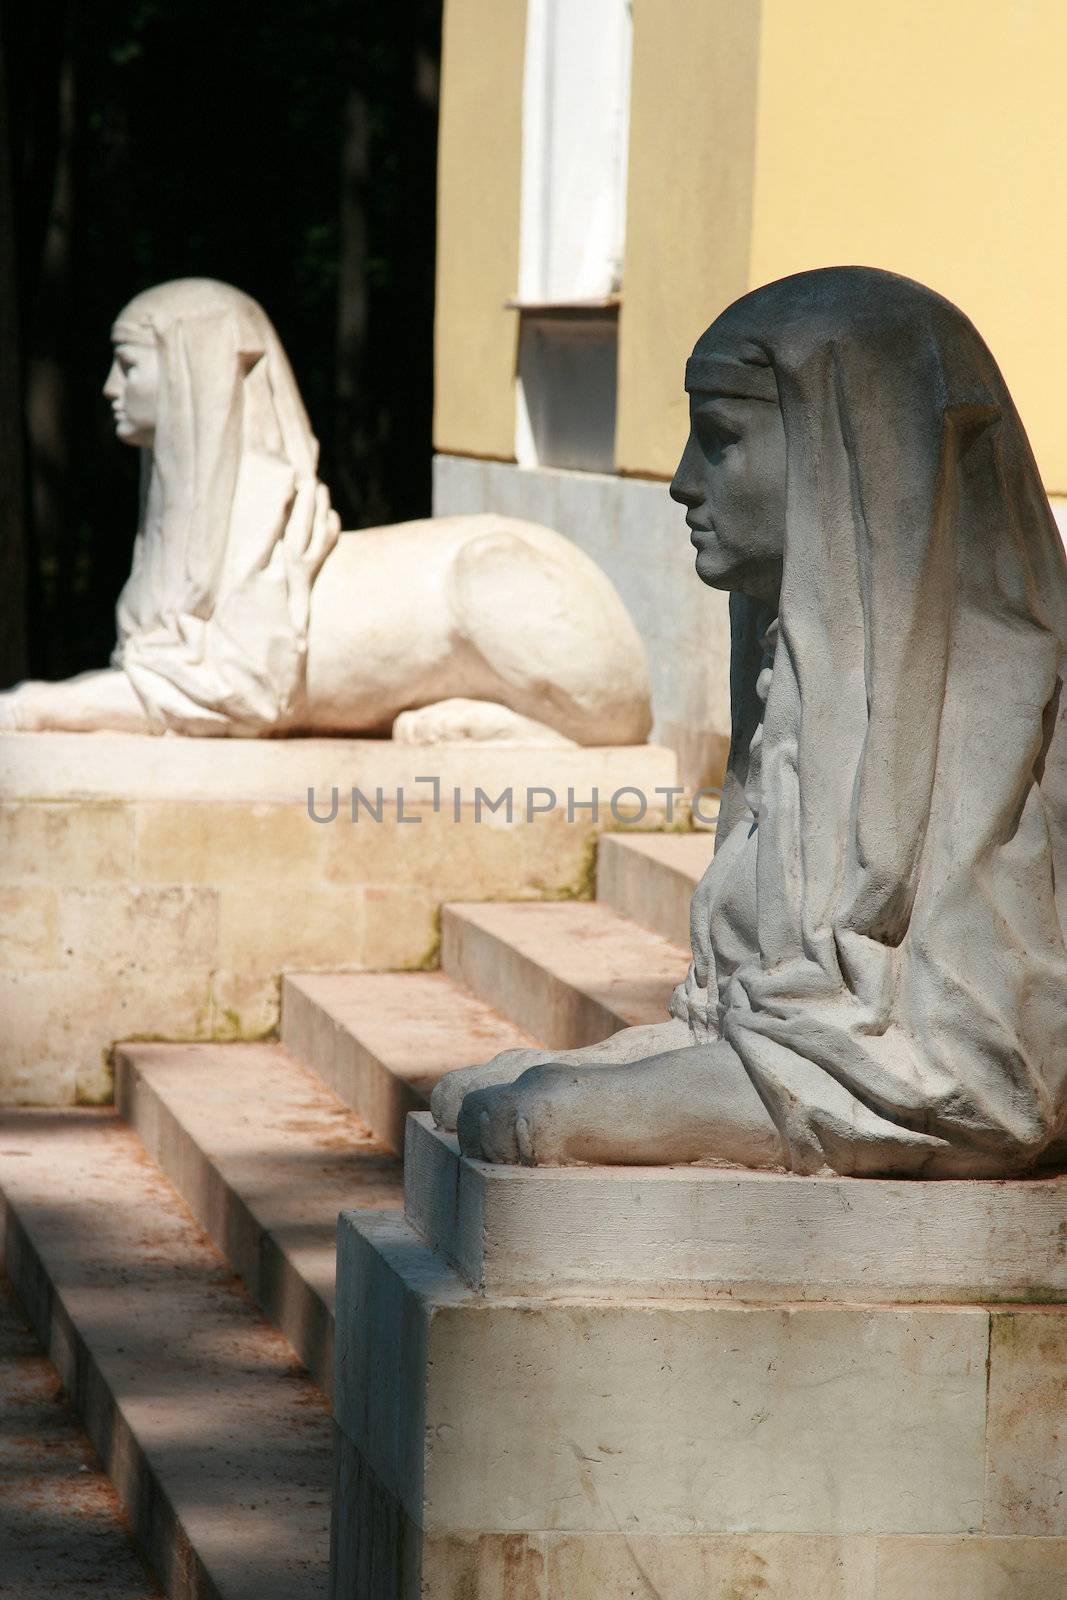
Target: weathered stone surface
{"x": 397, "y": 1561}
{"x": 243, "y": 1005}
{"x": 651, "y": 878}
{"x": 1027, "y": 1486}
{"x": 63, "y": 1531}
{"x": 64, "y": 843}
{"x": 59, "y": 1026}
{"x": 400, "y": 926}
{"x": 328, "y": 931}
{"x": 803, "y": 1567}
{"x": 696, "y": 1231}
{"x": 168, "y": 912}
{"x": 586, "y": 1450}
{"x": 29, "y": 916}
{"x": 382, "y": 1040}
{"x": 507, "y": 1416}
{"x": 265, "y": 1157}
{"x": 215, "y": 1439}
{"x": 123, "y": 930}
{"x": 56, "y": 767}
{"x": 229, "y": 842}
{"x": 569, "y": 974}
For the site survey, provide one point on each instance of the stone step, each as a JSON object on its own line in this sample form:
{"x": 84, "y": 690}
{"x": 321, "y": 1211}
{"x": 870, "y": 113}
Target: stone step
{"x": 651, "y": 877}
{"x": 63, "y": 1536}
{"x": 215, "y": 1438}
{"x": 569, "y": 972}
{"x": 265, "y": 1157}
{"x": 381, "y": 1040}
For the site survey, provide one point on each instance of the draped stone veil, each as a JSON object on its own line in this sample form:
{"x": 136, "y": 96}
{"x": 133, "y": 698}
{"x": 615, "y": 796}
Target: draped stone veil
{"x": 212, "y": 623}
{"x": 902, "y": 1005}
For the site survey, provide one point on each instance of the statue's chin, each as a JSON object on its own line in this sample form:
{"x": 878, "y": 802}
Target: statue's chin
{"x": 761, "y": 581}
{"x": 128, "y": 433}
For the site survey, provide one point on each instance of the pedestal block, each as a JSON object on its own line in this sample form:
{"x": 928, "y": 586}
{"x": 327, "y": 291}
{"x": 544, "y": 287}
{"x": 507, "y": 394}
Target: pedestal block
{"x": 148, "y": 886}
{"x": 761, "y": 1429}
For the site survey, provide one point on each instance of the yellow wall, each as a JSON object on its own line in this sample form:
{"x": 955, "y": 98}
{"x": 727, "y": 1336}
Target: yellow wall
{"x": 688, "y": 207}
{"x": 478, "y": 194}
{"x": 928, "y": 137}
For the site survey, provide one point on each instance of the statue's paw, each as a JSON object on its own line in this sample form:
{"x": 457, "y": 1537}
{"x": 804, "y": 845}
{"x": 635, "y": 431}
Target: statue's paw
{"x": 460, "y": 721}
{"x": 525, "y": 1123}
{"x": 449, "y": 1092}
{"x": 443, "y": 723}
{"x": 17, "y": 712}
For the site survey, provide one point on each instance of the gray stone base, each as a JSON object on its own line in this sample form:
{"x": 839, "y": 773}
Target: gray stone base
{"x": 378, "y": 1554}
{"x": 700, "y": 1232}
{"x": 499, "y": 1447}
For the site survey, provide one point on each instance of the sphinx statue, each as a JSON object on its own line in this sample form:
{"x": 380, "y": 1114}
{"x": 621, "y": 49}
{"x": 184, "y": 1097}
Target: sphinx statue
{"x": 879, "y": 973}
{"x": 249, "y": 613}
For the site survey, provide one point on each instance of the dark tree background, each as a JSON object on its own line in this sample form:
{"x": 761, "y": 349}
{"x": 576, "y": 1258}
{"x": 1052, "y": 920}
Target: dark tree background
{"x": 287, "y": 148}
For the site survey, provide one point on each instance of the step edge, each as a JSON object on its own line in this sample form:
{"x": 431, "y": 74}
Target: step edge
{"x": 385, "y": 1099}
{"x": 570, "y": 997}
{"x": 131, "y": 1086}
{"x": 155, "y": 1522}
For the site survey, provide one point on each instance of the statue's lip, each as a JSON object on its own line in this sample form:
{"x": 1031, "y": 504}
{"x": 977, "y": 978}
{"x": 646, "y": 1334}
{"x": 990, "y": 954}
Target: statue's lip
{"x": 699, "y": 527}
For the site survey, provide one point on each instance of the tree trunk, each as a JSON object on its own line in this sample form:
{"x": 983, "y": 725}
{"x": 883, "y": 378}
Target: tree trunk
{"x": 13, "y": 511}
{"x": 47, "y": 384}
{"x": 354, "y": 491}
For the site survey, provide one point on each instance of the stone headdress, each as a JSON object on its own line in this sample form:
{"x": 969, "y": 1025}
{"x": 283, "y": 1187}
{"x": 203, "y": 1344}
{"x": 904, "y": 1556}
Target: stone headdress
{"x": 212, "y": 623}
{"x": 903, "y": 1006}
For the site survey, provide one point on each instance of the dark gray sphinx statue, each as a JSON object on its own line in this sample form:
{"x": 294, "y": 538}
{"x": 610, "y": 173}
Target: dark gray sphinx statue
{"x": 879, "y": 975}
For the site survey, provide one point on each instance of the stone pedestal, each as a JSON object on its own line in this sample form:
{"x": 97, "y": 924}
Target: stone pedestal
{"x": 159, "y": 888}
{"x": 593, "y": 1384}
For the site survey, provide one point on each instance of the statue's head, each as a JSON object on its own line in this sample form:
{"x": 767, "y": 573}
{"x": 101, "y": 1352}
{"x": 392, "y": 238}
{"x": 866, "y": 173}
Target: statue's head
{"x": 860, "y": 379}
{"x": 201, "y": 383}
{"x": 145, "y": 329}
{"x": 133, "y": 388}
{"x": 732, "y": 475}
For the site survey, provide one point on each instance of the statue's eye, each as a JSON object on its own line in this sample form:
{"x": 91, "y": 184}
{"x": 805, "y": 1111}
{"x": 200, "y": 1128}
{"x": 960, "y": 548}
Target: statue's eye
{"x": 715, "y": 434}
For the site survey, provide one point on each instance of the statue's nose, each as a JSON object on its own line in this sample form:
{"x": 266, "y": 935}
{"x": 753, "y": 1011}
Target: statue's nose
{"x": 686, "y": 486}
{"x": 684, "y": 493}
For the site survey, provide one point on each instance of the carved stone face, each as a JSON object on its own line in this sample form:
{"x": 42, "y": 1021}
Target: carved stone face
{"x": 133, "y": 388}
{"x": 732, "y": 480}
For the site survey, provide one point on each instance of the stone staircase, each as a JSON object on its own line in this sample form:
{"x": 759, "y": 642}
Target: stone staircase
{"x": 175, "y": 1255}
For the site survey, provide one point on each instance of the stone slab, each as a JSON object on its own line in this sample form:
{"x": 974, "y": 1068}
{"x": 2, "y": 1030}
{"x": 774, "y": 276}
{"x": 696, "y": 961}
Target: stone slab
{"x": 217, "y": 1442}
{"x": 569, "y": 973}
{"x": 381, "y": 1040}
{"x": 488, "y": 1414}
{"x": 379, "y": 1554}
{"x": 651, "y": 877}
{"x": 51, "y": 766}
{"x": 62, "y": 1535}
{"x": 699, "y": 1231}
{"x": 265, "y": 1157}
{"x": 1027, "y": 1490}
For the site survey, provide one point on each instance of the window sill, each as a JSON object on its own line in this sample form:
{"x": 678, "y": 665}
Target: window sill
{"x": 600, "y": 306}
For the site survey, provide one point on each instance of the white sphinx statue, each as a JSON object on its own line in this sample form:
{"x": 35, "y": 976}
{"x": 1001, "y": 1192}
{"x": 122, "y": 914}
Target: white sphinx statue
{"x": 248, "y": 612}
